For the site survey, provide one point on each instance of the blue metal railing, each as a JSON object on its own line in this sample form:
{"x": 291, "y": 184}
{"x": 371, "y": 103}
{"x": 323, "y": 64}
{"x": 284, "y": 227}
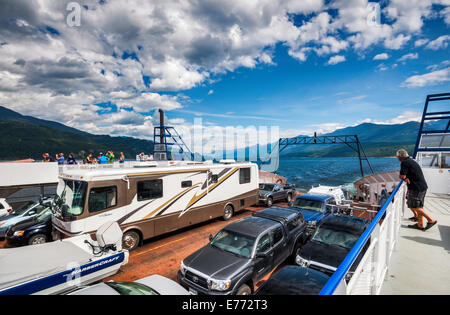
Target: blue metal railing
{"x": 348, "y": 261}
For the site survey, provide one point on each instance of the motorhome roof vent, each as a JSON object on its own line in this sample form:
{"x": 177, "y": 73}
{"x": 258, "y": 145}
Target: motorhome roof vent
{"x": 227, "y": 161}
{"x": 145, "y": 164}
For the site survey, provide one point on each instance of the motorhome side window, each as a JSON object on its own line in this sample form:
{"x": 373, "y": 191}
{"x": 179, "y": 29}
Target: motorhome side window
{"x": 186, "y": 183}
{"x": 244, "y": 175}
{"x": 101, "y": 198}
{"x": 149, "y": 189}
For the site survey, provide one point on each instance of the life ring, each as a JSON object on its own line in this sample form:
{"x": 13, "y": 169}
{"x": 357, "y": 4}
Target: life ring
{"x": 279, "y": 181}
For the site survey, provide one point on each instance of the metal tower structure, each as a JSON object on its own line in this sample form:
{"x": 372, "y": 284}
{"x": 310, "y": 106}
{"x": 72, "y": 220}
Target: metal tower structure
{"x": 164, "y": 138}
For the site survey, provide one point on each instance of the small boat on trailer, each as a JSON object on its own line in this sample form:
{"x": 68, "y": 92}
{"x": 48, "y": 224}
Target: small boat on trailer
{"x": 60, "y": 266}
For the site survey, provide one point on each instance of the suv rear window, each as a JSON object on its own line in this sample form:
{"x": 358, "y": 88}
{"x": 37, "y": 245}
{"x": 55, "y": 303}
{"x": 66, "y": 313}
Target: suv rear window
{"x": 293, "y": 224}
{"x": 277, "y": 235}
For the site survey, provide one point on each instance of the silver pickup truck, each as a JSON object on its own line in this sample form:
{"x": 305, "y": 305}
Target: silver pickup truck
{"x": 270, "y": 193}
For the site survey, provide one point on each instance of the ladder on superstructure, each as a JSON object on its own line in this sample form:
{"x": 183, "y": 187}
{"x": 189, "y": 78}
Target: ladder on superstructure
{"x": 441, "y": 136}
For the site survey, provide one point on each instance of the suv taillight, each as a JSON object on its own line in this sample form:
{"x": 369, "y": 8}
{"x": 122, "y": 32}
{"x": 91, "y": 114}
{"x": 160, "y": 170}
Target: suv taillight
{"x": 9, "y": 210}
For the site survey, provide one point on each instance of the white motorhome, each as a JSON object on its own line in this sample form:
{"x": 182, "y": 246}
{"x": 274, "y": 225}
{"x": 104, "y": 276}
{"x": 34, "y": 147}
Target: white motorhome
{"x": 152, "y": 198}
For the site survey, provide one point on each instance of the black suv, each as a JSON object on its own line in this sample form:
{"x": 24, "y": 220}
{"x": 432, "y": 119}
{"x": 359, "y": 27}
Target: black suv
{"x": 243, "y": 253}
{"x": 331, "y": 242}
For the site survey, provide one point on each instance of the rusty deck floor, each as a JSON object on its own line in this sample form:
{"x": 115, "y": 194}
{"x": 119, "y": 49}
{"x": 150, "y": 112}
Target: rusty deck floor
{"x": 162, "y": 255}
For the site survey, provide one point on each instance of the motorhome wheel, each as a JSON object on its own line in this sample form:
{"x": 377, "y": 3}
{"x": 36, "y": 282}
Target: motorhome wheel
{"x": 130, "y": 240}
{"x": 228, "y": 212}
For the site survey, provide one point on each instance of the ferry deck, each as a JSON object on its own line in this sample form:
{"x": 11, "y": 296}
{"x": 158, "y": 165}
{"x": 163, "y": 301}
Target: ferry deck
{"x": 421, "y": 263}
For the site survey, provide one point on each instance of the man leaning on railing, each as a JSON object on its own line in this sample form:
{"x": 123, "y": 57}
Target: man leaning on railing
{"x": 412, "y": 174}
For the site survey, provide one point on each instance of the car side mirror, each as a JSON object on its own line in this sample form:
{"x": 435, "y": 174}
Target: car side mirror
{"x": 261, "y": 255}
{"x": 211, "y": 237}
{"x": 32, "y": 212}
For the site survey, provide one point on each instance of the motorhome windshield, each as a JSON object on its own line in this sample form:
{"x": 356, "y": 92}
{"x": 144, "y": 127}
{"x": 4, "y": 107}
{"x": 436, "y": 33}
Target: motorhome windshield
{"x": 73, "y": 194}
{"x": 307, "y": 204}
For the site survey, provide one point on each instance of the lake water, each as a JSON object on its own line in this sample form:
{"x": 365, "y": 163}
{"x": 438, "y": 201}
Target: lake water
{"x": 308, "y": 172}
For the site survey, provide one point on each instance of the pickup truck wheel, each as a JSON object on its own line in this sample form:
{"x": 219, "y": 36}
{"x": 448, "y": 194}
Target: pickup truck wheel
{"x": 37, "y": 239}
{"x": 244, "y": 290}
{"x": 130, "y": 240}
{"x": 269, "y": 202}
{"x": 228, "y": 212}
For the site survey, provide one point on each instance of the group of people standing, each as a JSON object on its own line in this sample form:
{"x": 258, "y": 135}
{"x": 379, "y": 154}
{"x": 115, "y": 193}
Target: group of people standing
{"x": 108, "y": 158}
{"x": 59, "y": 158}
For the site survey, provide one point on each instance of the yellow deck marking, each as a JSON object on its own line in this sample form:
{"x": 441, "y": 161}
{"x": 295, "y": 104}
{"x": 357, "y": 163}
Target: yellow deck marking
{"x": 157, "y": 247}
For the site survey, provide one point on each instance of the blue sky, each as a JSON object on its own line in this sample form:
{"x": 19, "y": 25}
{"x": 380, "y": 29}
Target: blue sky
{"x": 303, "y": 66}
{"x": 305, "y": 95}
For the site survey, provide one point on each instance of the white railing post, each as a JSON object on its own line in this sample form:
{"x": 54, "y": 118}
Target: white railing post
{"x": 376, "y": 258}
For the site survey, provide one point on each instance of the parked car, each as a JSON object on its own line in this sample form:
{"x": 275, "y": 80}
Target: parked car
{"x": 331, "y": 243}
{"x": 32, "y": 231}
{"x": 22, "y": 213}
{"x": 314, "y": 207}
{"x": 152, "y": 285}
{"x": 270, "y": 193}
{"x": 5, "y": 208}
{"x": 243, "y": 252}
{"x": 294, "y": 280}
